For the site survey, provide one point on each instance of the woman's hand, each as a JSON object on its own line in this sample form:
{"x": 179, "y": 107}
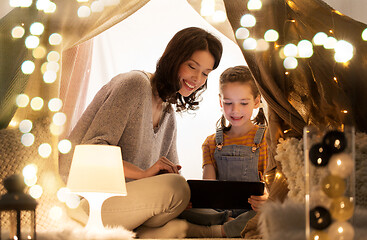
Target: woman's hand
{"x": 257, "y": 201}
{"x": 163, "y": 165}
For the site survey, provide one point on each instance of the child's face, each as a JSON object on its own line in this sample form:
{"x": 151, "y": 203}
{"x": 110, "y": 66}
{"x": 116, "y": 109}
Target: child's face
{"x": 194, "y": 72}
{"x": 237, "y": 102}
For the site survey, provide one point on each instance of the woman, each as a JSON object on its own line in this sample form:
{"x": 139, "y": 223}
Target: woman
{"x": 134, "y": 111}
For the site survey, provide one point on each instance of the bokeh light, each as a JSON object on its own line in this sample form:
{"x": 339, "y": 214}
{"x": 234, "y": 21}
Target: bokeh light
{"x": 55, "y": 104}
{"x": 27, "y": 139}
{"x": 28, "y": 67}
{"x": 262, "y": 45}
{"x": 219, "y": 16}
{"x": 364, "y": 35}
{"x": 56, "y": 213}
{"x": 290, "y": 50}
{"x": 39, "y": 52}
{"x": 63, "y": 194}
{"x": 254, "y": 5}
{"x": 242, "y": 33}
{"x": 32, "y": 42}
{"x": 343, "y": 51}
{"x": 330, "y": 43}
{"x": 25, "y": 126}
{"x": 56, "y": 130}
{"x": 207, "y": 8}
{"x": 59, "y": 118}
{"x": 17, "y": 32}
{"x": 31, "y": 181}
{"x": 248, "y": 20}
{"x": 305, "y": 49}
{"x": 49, "y": 76}
{"x": 44, "y": 150}
{"x": 42, "y": 4}
{"x": 84, "y": 11}
{"x": 271, "y": 35}
{"x": 249, "y": 44}
{"x": 37, "y": 103}
{"x": 64, "y": 146}
{"x": 22, "y": 100}
{"x": 55, "y": 39}
{"x": 30, "y": 170}
{"x": 290, "y": 63}
{"x": 37, "y": 28}
{"x": 320, "y": 38}
{"x": 50, "y": 8}
{"x": 53, "y": 56}
{"x": 36, "y": 191}
{"x": 97, "y": 6}
{"x": 72, "y": 201}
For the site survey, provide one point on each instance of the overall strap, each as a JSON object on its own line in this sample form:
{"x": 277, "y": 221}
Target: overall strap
{"x": 219, "y": 138}
{"x": 258, "y": 137}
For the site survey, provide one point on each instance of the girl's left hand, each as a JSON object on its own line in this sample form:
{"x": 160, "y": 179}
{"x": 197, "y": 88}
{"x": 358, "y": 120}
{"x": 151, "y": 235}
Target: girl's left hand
{"x": 257, "y": 201}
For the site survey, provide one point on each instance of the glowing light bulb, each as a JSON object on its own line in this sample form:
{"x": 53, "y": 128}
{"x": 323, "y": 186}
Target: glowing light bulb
{"x": 27, "y": 67}
{"x": 36, "y": 103}
{"x": 25, "y": 126}
{"x": 342, "y": 208}
{"x": 248, "y": 20}
{"x": 37, "y": 28}
{"x": 22, "y": 100}
{"x": 333, "y": 186}
{"x": 290, "y": 63}
{"x": 341, "y": 231}
{"x": 44, "y": 150}
{"x": 84, "y": 11}
{"x": 64, "y": 146}
{"x": 271, "y": 35}
{"x": 27, "y": 139}
{"x": 17, "y": 32}
{"x": 249, "y": 44}
{"x": 320, "y": 38}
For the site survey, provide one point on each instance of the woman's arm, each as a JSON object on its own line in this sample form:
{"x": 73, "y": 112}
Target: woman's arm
{"x": 209, "y": 172}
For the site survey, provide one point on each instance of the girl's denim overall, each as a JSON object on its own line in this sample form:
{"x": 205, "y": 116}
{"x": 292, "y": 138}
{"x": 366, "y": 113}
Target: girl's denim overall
{"x": 235, "y": 163}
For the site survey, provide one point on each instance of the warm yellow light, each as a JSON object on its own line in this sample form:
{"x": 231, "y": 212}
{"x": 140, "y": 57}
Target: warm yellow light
{"x": 55, "y": 39}
{"x": 53, "y": 56}
{"x": 22, "y": 100}
{"x": 262, "y": 45}
{"x": 82, "y": 0}
{"x": 39, "y": 52}
{"x": 242, "y": 33}
{"x": 13, "y": 123}
{"x": 290, "y": 50}
{"x": 30, "y": 170}
{"x": 31, "y": 181}
{"x": 290, "y": 63}
{"x": 330, "y": 43}
{"x": 32, "y": 42}
{"x": 37, "y": 28}
{"x": 305, "y": 49}
{"x": 36, "y": 191}
{"x": 271, "y": 35}
{"x": 14, "y": 3}
{"x": 64, "y": 146}
{"x": 25, "y": 3}
{"x": 17, "y": 32}
{"x": 254, "y": 5}
{"x": 97, "y": 6}
{"x": 37, "y": 103}
{"x": 364, "y": 35}
{"x": 335, "y": 79}
{"x": 50, "y": 8}
{"x": 84, "y": 11}
{"x": 55, "y": 104}
{"x": 49, "y": 76}
{"x": 63, "y": 193}
{"x": 344, "y": 111}
{"x": 44, "y": 67}
{"x": 320, "y": 38}
{"x": 248, "y": 20}
{"x": 219, "y": 16}
{"x": 72, "y": 201}
{"x": 343, "y": 51}
{"x": 25, "y": 126}
{"x": 56, "y": 213}
{"x": 56, "y": 130}
{"x": 249, "y": 44}
{"x": 27, "y": 67}
{"x": 59, "y": 118}
{"x": 42, "y": 4}
{"x": 44, "y": 150}
{"x": 27, "y": 139}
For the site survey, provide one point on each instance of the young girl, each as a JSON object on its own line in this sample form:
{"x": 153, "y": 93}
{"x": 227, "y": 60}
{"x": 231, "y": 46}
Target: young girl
{"x": 237, "y": 151}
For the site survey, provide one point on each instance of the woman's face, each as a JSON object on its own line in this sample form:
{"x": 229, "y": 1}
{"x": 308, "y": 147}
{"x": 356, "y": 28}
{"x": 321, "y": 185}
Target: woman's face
{"x": 194, "y": 72}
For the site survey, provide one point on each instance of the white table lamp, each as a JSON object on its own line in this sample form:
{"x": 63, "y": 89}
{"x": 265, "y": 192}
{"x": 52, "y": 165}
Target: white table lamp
{"x": 96, "y": 174}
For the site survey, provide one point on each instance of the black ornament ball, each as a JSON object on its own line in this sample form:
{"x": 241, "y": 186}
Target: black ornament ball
{"x": 335, "y": 140}
{"x": 319, "y": 154}
{"x": 320, "y": 218}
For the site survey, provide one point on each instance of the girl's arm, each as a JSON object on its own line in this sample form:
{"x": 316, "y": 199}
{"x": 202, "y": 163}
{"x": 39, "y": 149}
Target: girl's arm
{"x": 209, "y": 172}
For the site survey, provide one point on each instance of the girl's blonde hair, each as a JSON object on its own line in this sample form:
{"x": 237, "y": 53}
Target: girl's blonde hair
{"x": 240, "y": 74}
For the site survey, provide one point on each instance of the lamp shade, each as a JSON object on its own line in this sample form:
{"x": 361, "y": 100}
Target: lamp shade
{"x": 97, "y": 168}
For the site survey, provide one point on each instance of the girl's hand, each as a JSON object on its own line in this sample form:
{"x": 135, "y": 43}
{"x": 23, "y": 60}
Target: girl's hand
{"x": 257, "y": 201}
{"x": 163, "y": 165}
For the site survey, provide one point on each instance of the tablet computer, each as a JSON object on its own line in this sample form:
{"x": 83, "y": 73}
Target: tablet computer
{"x": 223, "y": 194}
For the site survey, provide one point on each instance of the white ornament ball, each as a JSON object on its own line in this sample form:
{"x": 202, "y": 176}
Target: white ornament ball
{"x": 341, "y": 165}
{"x": 341, "y": 231}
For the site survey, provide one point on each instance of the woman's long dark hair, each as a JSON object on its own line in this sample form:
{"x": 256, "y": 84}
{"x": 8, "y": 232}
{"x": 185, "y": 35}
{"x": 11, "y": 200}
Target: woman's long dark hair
{"x": 241, "y": 74}
{"x": 183, "y": 44}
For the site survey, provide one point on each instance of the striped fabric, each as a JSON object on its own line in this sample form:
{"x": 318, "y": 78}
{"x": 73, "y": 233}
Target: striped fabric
{"x": 209, "y": 146}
